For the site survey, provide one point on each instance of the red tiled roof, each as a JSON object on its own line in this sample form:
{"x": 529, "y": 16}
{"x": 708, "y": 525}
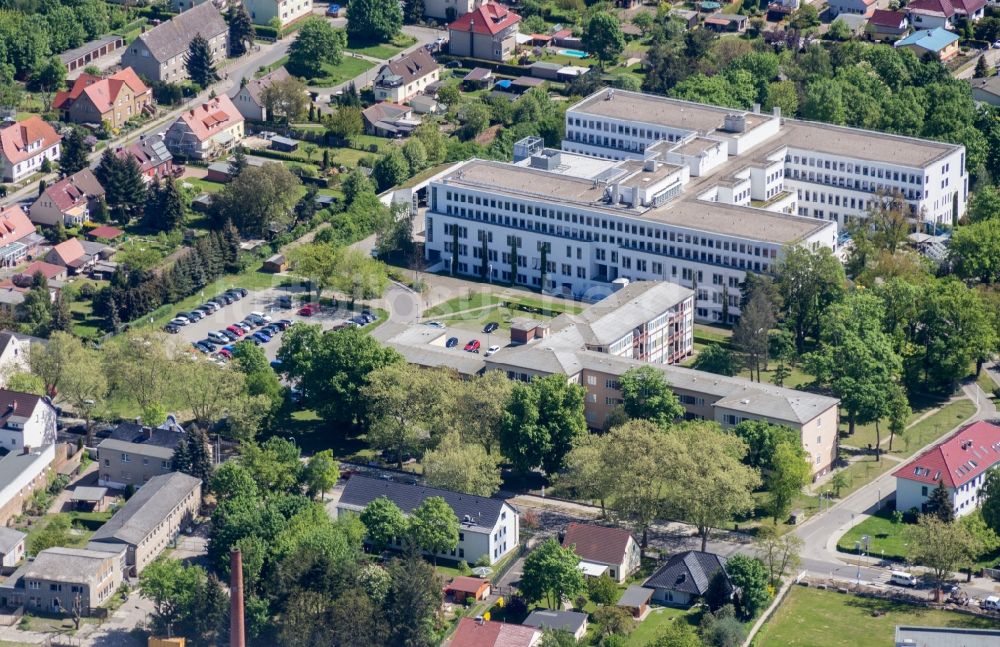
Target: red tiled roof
{"x": 211, "y": 117}
{"x": 597, "y": 543}
{"x": 885, "y": 18}
{"x": 102, "y": 92}
{"x": 69, "y": 251}
{"x": 968, "y": 6}
{"x": 942, "y": 7}
{"x": 48, "y": 270}
{"x": 493, "y": 634}
{"x": 106, "y": 232}
{"x": 74, "y": 190}
{"x": 14, "y": 225}
{"x": 15, "y": 139}
{"x": 957, "y": 460}
{"x": 486, "y": 19}
{"x": 464, "y": 584}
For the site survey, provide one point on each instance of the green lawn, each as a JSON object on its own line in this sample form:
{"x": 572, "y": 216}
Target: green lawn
{"x": 348, "y": 68}
{"x": 200, "y": 185}
{"x": 887, "y": 538}
{"x": 655, "y": 623}
{"x": 864, "y": 471}
{"x": 84, "y": 524}
{"x": 814, "y": 618}
{"x": 384, "y": 51}
{"x": 927, "y": 430}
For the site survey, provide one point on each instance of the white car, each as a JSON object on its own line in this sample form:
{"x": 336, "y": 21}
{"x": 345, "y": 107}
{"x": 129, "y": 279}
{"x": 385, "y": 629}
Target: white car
{"x": 991, "y": 603}
{"x": 492, "y": 350}
{"x": 179, "y": 321}
{"x": 263, "y": 316}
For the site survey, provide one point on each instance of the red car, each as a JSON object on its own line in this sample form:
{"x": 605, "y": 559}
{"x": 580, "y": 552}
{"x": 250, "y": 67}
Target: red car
{"x": 473, "y": 346}
{"x": 308, "y": 310}
{"x": 236, "y": 330}
{"x": 225, "y": 353}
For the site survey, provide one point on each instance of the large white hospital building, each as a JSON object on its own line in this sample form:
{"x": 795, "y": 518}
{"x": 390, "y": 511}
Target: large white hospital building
{"x": 652, "y": 188}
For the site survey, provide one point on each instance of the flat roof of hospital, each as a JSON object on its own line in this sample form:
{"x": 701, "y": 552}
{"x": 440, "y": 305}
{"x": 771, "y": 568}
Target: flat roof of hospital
{"x": 843, "y": 141}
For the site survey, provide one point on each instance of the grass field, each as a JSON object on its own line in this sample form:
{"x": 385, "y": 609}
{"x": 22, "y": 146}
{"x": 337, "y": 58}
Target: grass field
{"x": 348, "y": 68}
{"x": 384, "y": 51}
{"x": 654, "y": 624}
{"x": 864, "y": 471}
{"x": 815, "y": 618}
{"x": 925, "y": 431}
{"x": 887, "y": 538}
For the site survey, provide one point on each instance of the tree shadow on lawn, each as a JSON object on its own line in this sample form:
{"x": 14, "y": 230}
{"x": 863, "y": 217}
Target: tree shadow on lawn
{"x": 884, "y": 606}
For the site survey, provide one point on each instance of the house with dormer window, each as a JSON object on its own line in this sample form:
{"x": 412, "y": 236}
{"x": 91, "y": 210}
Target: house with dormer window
{"x": 960, "y": 463}
{"x": 25, "y": 146}
{"x": 206, "y": 131}
{"x": 488, "y": 33}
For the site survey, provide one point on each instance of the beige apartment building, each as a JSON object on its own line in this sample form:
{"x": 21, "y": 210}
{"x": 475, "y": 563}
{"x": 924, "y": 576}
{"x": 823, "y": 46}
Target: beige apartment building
{"x": 150, "y": 520}
{"x": 133, "y": 453}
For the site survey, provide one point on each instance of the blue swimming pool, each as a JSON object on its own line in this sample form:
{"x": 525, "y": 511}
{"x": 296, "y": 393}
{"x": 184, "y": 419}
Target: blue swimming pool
{"x": 575, "y": 53}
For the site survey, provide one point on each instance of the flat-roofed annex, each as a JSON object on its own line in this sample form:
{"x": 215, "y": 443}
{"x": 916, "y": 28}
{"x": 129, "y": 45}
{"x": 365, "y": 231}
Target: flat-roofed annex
{"x": 555, "y": 188}
{"x": 842, "y": 141}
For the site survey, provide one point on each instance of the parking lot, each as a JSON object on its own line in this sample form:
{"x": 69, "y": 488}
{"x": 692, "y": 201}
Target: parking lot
{"x": 267, "y": 302}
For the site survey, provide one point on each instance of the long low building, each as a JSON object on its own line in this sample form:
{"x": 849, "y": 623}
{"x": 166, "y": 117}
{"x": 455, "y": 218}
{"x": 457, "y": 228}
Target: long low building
{"x": 150, "y": 520}
{"x": 21, "y": 473}
{"x": 62, "y": 580}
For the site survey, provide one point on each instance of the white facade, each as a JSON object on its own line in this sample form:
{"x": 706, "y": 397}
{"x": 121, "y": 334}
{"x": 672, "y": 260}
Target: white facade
{"x": 33, "y": 474}
{"x": 262, "y": 12}
{"x": 652, "y": 220}
{"x": 438, "y": 9}
{"x": 15, "y": 172}
{"x": 13, "y": 358}
{"x": 913, "y": 494}
{"x": 834, "y": 171}
{"x": 35, "y": 430}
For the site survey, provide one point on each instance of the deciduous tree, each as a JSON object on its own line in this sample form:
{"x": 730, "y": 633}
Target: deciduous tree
{"x": 603, "y": 37}
{"x": 941, "y": 546}
{"x": 646, "y": 395}
{"x": 373, "y": 21}
{"x": 316, "y": 43}
{"x": 551, "y": 574}
{"x": 788, "y": 474}
{"x": 433, "y": 526}
{"x": 402, "y": 404}
{"x": 384, "y": 523}
{"x": 257, "y": 200}
{"x": 462, "y": 467}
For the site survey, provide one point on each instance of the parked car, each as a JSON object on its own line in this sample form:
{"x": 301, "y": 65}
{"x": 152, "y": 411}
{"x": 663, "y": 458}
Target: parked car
{"x": 202, "y": 347}
{"x": 902, "y": 578}
{"x": 245, "y": 326}
{"x": 210, "y": 343}
{"x": 178, "y": 322}
{"x": 492, "y": 350}
{"x": 172, "y": 329}
{"x": 434, "y": 324}
{"x": 253, "y": 320}
{"x": 263, "y": 336}
{"x": 224, "y": 299}
{"x": 240, "y": 291}
{"x": 236, "y": 330}
{"x": 285, "y": 302}
{"x": 225, "y": 353}
{"x": 182, "y": 316}
{"x": 490, "y": 327}
{"x": 473, "y": 346}
{"x": 306, "y": 311}
{"x": 451, "y": 343}
{"x": 216, "y": 335}
{"x": 195, "y": 315}
{"x": 262, "y": 315}
{"x": 230, "y": 335}
{"x": 284, "y": 323}
{"x": 990, "y": 603}
{"x": 276, "y": 364}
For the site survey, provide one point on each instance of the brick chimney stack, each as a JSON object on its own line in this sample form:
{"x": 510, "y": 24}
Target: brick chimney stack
{"x": 237, "y": 638}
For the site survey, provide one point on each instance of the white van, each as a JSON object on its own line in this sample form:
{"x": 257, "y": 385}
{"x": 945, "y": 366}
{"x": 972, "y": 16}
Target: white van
{"x": 991, "y": 603}
{"x": 902, "y": 578}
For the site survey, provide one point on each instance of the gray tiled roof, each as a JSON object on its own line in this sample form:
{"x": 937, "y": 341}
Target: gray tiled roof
{"x": 688, "y": 572}
{"x": 147, "y": 508}
{"x": 173, "y": 37}
{"x": 88, "y": 494}
{"x": 362, "y": 490}
{"x": 570, "y": 621}
{"x": 14, "y": 463}
{"x": 10, "y": 538}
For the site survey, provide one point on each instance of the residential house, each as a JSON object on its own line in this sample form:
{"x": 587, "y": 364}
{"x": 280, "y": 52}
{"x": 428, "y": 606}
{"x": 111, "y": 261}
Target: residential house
{"x": 133, "y": 454}
{"x": 960, "y": 462}
{"x": 727, "y": 22}
{"x": 856, "y": 7}
{"x": 207, "y": 130}
{"x": 72, "y": 255}
{"x": 18, "y": 239}
{"x": 26, "y": 420}
{"x": 389, "y": 120}
{"x": 449, "y": 9}
{"x": 423, "y": 104}
{"x": 25, "y": 146}
{"x": 572, "y": 622}
{"x": 155, "y": 161}
{"x": 938, "y": 41}
{"x": 69, "y": 200}
{"x": 57, "y": 578}
{"x": 249, "y": 99}
{"x": 88, "y": 53}
{"x": 51, "y": 273}
{"x": 11, "y": 548}
{"x": 263, "y": 12}
{"x": 159, "y": 54}
{"x": 150, "y": 520}
{"x": 22, "y": 472}
{"x": 602, "y": 548}
{"x": 478, "y": 78}
{"x": 400, "y": 80}
{"x": 111, "y": 100}
{"x": 685, "y": 577}
{"x": 488, "y": 527}
{"x": 930, "y": 14}
{"x": 488, "y": 633}
{"x": 462, "y": 587}
{"x": 14, "y": 353}
{"x": 488, "y": 33}
{"x": 887, "y": 25}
